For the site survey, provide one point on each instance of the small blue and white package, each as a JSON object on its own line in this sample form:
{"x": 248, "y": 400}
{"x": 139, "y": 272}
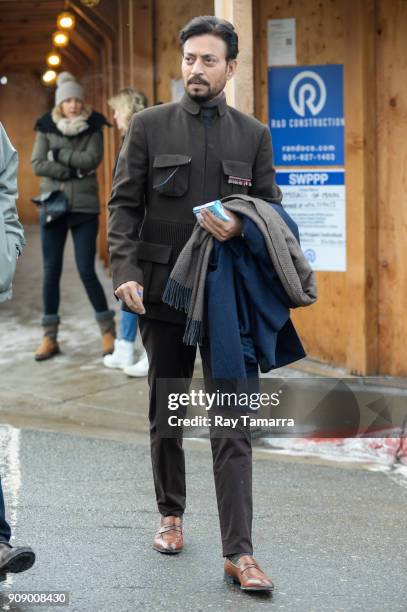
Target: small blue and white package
{"x": 214, "y": 207}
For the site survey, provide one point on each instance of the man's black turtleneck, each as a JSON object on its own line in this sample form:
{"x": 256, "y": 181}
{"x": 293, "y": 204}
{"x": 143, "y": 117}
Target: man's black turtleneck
{"x": 209, "y": 109}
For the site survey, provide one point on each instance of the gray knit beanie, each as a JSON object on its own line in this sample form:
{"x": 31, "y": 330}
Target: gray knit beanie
{"x": 67, "y": 87}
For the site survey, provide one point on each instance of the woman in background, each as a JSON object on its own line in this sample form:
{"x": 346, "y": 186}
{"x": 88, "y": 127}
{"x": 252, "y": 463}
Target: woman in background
{"x": 67, "y": 150}
{"x": 127, "y": 102}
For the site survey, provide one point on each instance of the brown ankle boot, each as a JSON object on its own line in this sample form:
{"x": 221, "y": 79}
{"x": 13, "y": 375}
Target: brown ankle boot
{"x": 108, "y": 343}
{"x": 47, "y": 348}
{"x": 107, "y": 328}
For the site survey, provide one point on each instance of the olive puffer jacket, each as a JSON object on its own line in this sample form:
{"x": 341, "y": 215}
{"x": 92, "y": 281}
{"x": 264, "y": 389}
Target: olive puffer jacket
{"x": 68, "y": 161}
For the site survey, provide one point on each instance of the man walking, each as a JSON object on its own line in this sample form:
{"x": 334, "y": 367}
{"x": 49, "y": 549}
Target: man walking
{"x": 176, "y": 156}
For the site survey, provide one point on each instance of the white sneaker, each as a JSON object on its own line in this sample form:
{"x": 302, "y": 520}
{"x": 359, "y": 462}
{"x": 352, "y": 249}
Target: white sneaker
{"x": 140, "y": 368}
{"x": 122, "y": 356}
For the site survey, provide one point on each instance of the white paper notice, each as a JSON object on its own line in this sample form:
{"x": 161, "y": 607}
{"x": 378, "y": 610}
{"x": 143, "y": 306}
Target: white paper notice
{"x": 315, "y": 199}
{"x": 281, "y": 42}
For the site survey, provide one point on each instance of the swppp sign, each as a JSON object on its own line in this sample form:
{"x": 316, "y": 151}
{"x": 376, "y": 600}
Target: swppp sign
{"x": 315, "y": 199}
{"x": 306, "y": 115}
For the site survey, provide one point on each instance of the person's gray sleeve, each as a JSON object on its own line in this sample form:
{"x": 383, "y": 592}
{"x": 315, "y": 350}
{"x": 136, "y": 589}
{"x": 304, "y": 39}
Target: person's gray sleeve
{"x": 86, "y": 160}
{"x": 11, "y": 230}
{"x": 44, "y": 167}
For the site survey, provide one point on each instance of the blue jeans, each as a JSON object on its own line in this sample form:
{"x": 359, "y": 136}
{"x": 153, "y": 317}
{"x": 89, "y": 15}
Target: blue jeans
{"x": 53, "y": 243}
{"x": 128, "y": 326}
{"x": 5, "y": 531}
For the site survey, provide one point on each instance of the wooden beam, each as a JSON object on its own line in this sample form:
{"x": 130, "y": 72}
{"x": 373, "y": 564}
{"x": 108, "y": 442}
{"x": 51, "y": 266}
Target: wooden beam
{"x": 120, "y": 42}
{"x": 84, "y": 46}
{"x": 141, "y": 48}
{"x": 391, "y": 125}
{"x": 73, "y": 55}
{"x": 361, "y": 173}
{"x": 240, "y": 90}
{"x": 107, "y": 34}
{"x": 21, "y": 31}
{"x": 31, "y": 5}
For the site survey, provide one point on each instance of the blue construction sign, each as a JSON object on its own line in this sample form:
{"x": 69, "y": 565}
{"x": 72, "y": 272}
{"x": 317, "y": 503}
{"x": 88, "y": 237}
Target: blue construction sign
{"x": 306, "y": 115}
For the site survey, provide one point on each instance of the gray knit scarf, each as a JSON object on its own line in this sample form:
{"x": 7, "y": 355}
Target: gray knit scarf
{"x": 185, "y": 289}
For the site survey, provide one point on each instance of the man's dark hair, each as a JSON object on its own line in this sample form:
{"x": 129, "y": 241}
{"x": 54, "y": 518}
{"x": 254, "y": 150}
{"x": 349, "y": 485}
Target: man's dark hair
{"x": 208, "y": 24}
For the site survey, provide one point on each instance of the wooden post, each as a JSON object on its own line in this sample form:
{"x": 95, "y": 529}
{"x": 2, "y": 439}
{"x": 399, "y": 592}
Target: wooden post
{"x": 169, "y": 18}
{"x": 391, "y": 122}
{"x": 240, "y": 90}
{"x": 361, "y": 177}
{"x": 135, "y": 46}
{"x": 142, "y": 48}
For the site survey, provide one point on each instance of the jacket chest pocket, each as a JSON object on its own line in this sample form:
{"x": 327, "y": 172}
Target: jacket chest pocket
{"x": 171, "y": 174}
{"x": 235, "y": 177}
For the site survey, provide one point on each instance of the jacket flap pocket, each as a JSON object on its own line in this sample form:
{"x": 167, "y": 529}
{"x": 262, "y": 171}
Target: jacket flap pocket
{"x": 168, "y": 161}
{"x": 237, "y": 169}
{"x": 157, "y": 253}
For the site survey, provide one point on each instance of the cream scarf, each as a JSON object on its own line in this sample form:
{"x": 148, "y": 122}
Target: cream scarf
{"x": 71, "y": 126}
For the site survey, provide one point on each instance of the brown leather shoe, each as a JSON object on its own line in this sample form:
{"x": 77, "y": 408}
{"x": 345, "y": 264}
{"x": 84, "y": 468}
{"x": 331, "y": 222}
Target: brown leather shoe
{"x": 47, "y": 349}
{"x": 248, "y": 574}
{"x": 168, "y": 538}
{"x": 108, "y": 343}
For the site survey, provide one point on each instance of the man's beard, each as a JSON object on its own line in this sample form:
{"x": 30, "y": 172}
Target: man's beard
{"x": 201, "y": 98}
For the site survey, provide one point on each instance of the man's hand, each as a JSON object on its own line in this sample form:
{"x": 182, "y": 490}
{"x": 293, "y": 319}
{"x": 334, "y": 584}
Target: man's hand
{"x": 221, "y": 230}
{"x": 132, "y": 294}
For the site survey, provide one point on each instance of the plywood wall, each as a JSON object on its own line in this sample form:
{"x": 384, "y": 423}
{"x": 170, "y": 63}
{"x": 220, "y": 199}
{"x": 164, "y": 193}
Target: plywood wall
{"x": 320, "y": 40}
{"x": 392, "y": 184}
{"x": 341, "y": 328}
{"x": 169, "y": 18}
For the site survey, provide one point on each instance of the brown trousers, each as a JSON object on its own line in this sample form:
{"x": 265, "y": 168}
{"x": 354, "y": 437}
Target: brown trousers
{"x": 170, "y": 358}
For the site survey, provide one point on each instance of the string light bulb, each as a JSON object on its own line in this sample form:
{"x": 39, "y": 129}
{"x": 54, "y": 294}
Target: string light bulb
{"x": 49, "y": 77}
{"x": 53, "y": 59}
{"x": 66, "y": 21}
{"x": 60, "y": 39}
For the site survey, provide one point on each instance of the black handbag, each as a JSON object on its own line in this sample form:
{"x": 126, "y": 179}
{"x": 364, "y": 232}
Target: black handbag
{"x": 53, "y": 205}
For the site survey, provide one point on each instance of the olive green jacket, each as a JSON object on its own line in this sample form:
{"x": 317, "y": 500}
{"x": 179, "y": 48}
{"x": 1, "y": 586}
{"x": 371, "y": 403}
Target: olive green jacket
{"x": 82, "y": 152}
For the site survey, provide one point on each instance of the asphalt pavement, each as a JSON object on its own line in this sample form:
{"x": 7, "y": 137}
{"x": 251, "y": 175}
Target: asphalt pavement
{"x": 333, "y": 539}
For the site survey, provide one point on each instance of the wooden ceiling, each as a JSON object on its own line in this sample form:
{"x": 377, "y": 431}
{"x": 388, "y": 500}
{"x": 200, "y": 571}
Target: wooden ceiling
{"x": 26, "y": 27}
